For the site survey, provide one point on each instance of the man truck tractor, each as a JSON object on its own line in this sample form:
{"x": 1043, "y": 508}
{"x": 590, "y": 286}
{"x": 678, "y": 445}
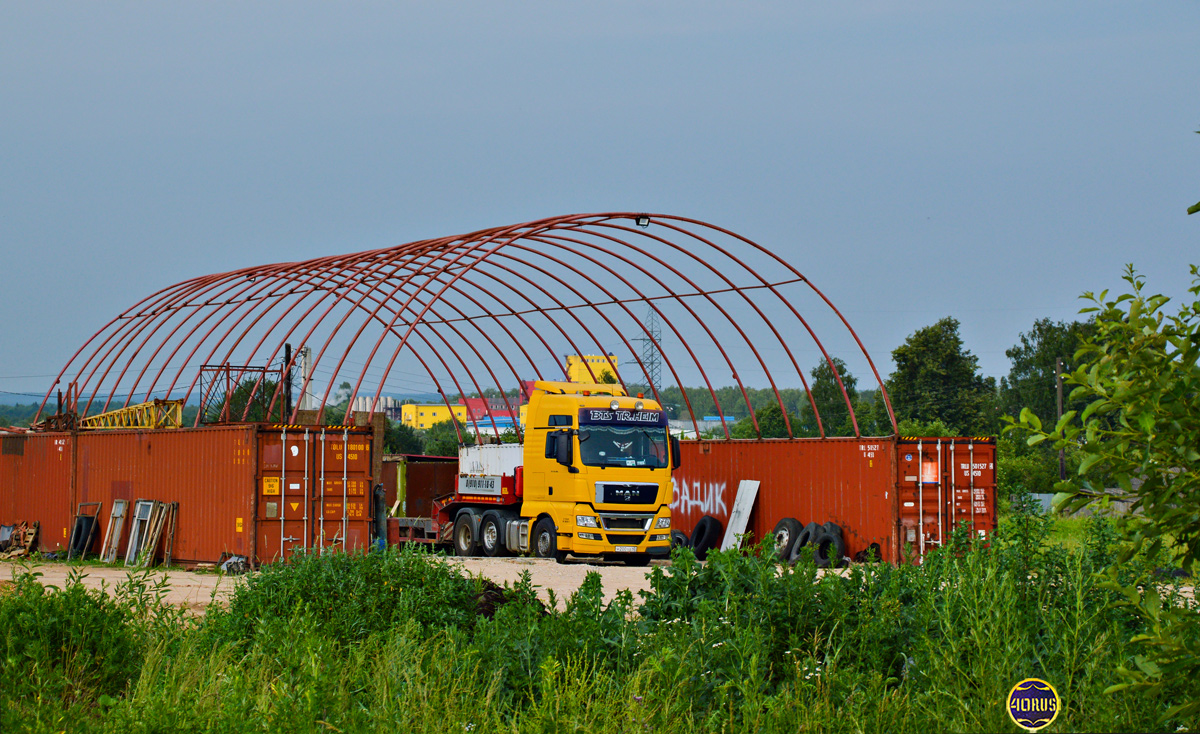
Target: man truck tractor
{"x": 593, "y": 478}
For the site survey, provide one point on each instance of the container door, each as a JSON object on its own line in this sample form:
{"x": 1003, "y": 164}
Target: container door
{"x": 924, "y": 495}
{"x": 343, "y": 504}
{"x": 943, "y": 483}
{"x": 973, "y": 473}
{"x": 285, "y": 461}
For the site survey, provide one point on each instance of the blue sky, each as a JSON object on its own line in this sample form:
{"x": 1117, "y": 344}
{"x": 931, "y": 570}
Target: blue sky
{"x": 915, "y": 160}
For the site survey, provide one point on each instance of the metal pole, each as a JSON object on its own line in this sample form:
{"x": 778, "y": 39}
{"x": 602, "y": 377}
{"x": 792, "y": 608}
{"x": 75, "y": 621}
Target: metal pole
{"x": 971, "y": 450}
{"x": 941, "y": 532}
{"x": 921, "y": 498}
{"x": 345, "y": 476}
{"x": 1062, "y": 454}
{"x": 953, "y": 490}
{"x": 307, "y": 443}
{"x": 282, "y": 488}
{"x": 321, "y": 519}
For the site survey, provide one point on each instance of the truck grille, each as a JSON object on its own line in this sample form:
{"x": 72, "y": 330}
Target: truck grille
{"x": 625, "y": 522}
{"x": 624, "y": 539}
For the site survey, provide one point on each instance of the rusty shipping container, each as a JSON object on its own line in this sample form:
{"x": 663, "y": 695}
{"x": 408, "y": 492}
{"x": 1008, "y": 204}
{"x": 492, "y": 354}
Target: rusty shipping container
{"x": 237, "y": 492}
{"x": 896, "y": 492}
{"x": 414, "y": 480}
{"x": 35, "y": 482}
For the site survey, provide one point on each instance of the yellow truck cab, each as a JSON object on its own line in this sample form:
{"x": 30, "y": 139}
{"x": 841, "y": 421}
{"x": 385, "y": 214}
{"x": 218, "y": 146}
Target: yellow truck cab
{"x": 594, "y": 480}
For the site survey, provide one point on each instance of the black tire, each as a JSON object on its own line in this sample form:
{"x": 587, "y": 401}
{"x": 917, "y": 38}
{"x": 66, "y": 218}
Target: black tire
{"x": 491, "y": 537}
{"x": 545, "y": 541}
{"x": 679, "y": 539}
{"x": 871, "y": 554}
{"x": 786, "y": 531}
{"x": 829, "y": 551}
{"x": 706, "y": 536}
{"x": 805, "y": 537}
{"x": 464, "y": 536}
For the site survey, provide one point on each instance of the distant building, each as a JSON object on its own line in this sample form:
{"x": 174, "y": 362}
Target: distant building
{"x": 582, "y": 368}
{"x": 422, "y": 417}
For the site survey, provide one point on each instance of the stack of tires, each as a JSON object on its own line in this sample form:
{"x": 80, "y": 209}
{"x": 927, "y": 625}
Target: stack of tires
{"x": 705, "y": 536}
{"x": 829, "y": 547}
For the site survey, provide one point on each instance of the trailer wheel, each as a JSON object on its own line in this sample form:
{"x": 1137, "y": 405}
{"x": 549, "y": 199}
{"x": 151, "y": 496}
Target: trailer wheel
{"x": 545, "y": 541}
{"x": 705, "y": 536}
{"x": 786, "y": 531}
{"x": 464, "y": 535}
{"x": 491, "y": 537}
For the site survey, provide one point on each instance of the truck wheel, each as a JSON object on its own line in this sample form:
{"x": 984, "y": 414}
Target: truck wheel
{"x": 464, "y": 536}
{"x": 545, "y": 541}
{"x": 786, "y": 532}
{"x": 491, "y": 537}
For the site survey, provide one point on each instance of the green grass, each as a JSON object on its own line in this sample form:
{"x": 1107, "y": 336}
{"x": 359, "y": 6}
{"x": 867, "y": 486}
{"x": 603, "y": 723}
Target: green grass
{"x": 1069, "y": 532}
{"x": 403, "y": 641}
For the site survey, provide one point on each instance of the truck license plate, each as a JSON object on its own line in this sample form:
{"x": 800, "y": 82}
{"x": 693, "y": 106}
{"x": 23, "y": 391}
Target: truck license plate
{"x": 626, "y": 549}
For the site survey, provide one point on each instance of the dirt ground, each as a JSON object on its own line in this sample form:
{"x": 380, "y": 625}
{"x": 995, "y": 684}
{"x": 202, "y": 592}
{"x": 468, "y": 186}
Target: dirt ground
{"x": 195, "y": 590}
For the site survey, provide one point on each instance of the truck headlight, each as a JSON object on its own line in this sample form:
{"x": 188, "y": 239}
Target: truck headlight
{"x": 586, "y": 521}
{"x": 659, "y": 538}
{"x": 662, "y": 522}
{"x": 590, "y": 536}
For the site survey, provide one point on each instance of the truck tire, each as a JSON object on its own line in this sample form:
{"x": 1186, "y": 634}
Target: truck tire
{"x": 679, "y": 539}
{"x": 705, "y": 536}
{"x": 830, "y": 549}
{"x": 545, "y": 541}
{"x": 464, "y": 535}
{"x": 491, "y": 537}
{"x": 786, "y": 531}
{"x": 805, "y": 537}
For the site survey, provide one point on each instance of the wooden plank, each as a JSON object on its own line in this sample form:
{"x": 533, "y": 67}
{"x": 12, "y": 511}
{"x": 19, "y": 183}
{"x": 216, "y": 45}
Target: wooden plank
{"x": 747, "y": 492}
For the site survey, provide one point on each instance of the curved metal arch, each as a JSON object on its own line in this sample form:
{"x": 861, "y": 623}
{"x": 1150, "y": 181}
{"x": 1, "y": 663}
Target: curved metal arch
{"x": 425, "y": 288}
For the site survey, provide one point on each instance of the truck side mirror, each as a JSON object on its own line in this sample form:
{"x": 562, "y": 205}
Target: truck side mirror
{"x": 564, "y": 448}
{"x": 675, "y": 452}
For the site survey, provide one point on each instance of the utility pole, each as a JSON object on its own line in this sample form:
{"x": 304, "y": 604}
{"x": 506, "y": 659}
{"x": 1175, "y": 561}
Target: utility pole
{"x": 650, "y": 355}
{"x": 305, "y": 369}
{"x": 1062, "y": 455}
{"x": 287, "y": 382}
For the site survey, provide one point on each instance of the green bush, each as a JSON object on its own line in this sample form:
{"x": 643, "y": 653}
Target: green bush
{"x": 399, "y": 641}
{"x": 349, "y": 596}
{"x": 66, "y": 645}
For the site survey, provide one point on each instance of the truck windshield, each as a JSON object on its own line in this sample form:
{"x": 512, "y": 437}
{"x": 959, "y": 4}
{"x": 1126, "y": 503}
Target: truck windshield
{"x": 643, "y": 446}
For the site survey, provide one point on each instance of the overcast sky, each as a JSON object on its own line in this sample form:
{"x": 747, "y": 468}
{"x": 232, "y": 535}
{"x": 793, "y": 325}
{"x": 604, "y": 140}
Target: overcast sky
{"x": 988, "y": 161}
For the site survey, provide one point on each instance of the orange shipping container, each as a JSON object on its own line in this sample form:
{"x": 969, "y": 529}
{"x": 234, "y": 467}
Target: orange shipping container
{"x": 223, "y": 478}
{"x": 879, "y": 490}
